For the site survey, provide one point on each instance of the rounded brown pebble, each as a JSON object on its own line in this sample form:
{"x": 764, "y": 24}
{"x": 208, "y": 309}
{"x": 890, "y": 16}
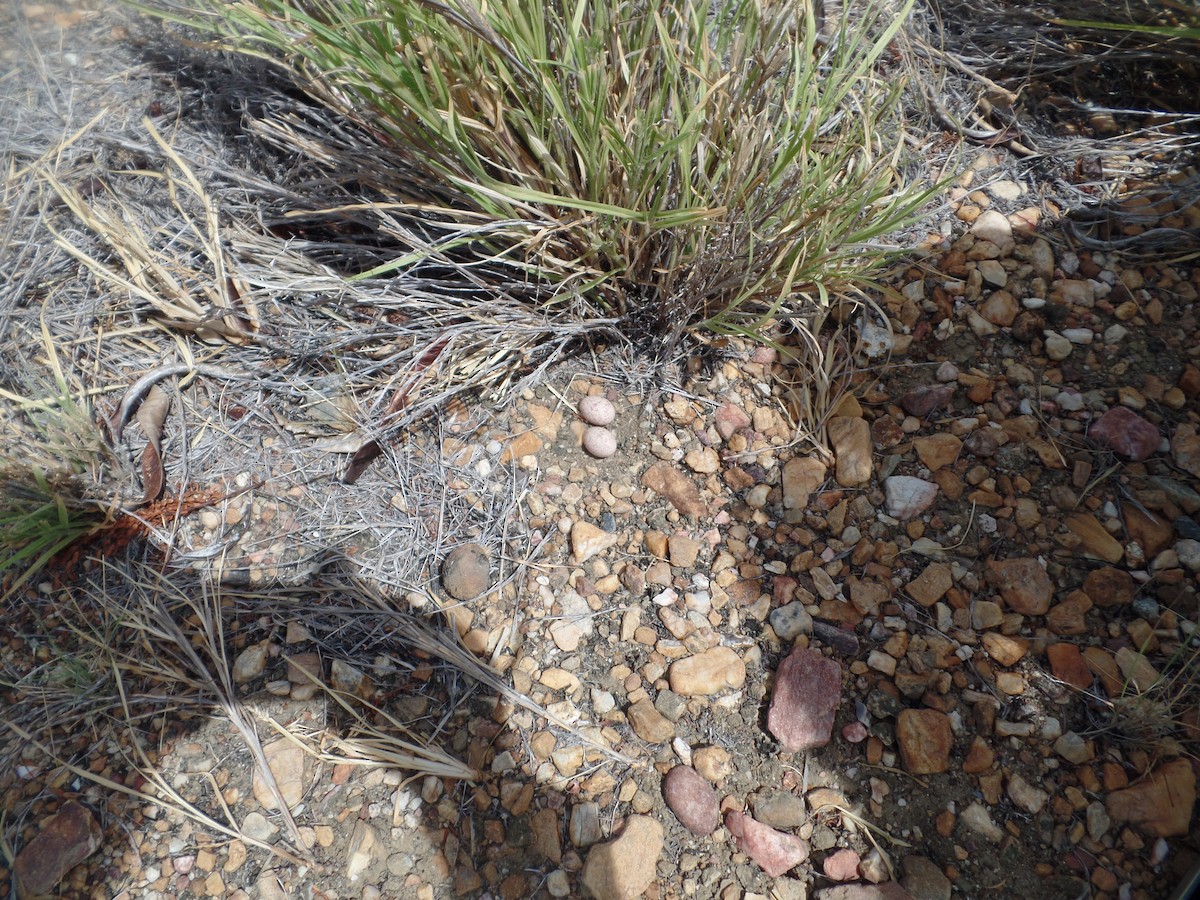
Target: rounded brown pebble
{"x": 692, "y": 799}
{"x": 599, "y": 442}
{"x": 467, "y": 572}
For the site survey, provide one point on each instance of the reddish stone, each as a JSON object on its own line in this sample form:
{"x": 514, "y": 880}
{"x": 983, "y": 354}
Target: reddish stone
{"x": 808, "y": 690}
{"x": 841, "y": 865}
{"x": 692, "y": 799}
{"x": 775, "y": 851}
{"x": 925, "y": 741}
{"x": 1110, "y": 587}
{"x": 1068, "y": 666}
{"x": 1124, "y": 431}
{"x": 1160, "y": 804}
{"x": 66, "y": 840}
{"x": 923, "y": 400}
{"x": 1023, "y": 583}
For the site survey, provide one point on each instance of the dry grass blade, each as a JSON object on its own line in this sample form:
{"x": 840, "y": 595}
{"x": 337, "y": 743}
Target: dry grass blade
{"x": 369, "y": 745}
{"x": 207, "y": 302}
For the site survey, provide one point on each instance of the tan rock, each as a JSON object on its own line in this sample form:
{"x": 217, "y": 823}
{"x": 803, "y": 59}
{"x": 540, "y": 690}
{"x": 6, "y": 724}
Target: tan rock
{"x": 1153, "y": 534}
{"x": 1161, "y": 803}
{"x": 679, "y": 490}
{"x": 801, "y": 476}
{"x": 851, "y": 440}
{"x": 707, "y": 673}
{"x": 683, "y": 550}
{"x": 524, "y": 444}
{"x": 648, "y": 723}
{"x": 1005, "y": 650}
{"x": 587, "y": 540}
{"x": 1185, "y": 449}
{"x": 1093, "y": 539}
{"x": 285, "y": 758}
{"x": 626, "y": 866}
{"x": 938, "y": 450}
{"x": 931, "y": 585}
{"x": 1102, "y": 664}
{"x": 979, "y": 757}
{"x": 1067, "y": 618}
{"x": 925, "y": 741}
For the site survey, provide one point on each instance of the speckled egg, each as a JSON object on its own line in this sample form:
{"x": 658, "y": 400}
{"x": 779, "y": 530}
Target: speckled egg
{"x": 596, "y": 411}
{"x": 599, "y": 442}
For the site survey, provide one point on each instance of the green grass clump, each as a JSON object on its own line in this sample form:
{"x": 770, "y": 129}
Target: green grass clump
{"x": 678, "y": 164}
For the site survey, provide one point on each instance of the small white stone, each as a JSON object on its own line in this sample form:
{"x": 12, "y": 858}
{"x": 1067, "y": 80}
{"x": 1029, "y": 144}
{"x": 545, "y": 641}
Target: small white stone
{"x": 596, "y": 410}
{"x": 599, "y": 442}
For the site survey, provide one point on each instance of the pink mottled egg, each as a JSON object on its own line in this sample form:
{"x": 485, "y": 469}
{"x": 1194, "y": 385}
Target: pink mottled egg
{"x": 599, "y": 442}
{"x": 596, "y": 410}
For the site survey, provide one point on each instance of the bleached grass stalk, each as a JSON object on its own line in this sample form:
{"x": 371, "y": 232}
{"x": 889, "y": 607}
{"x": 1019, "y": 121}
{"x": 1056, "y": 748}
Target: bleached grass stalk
{"x": 674, "y": 163}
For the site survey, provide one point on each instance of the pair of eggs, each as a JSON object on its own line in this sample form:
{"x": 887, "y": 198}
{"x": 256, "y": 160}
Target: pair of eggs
{"x": 598, "y": 412}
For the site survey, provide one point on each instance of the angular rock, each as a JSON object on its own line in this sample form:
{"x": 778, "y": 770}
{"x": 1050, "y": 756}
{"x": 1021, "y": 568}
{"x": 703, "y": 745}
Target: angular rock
{"x": 250, "y": 663}
{"x": 65, "y": 840}
{"x": 908, "y": 496}
{"x": 1161, "y": 803}
{"x": 851, "y": 441}
{"x": 922, "y": 401}
{"x": 937, "y": 450}
{"x": 801, "y": 476}
{"x": 976, "y": 818}
{"x": 841, "y": 865}
{"x": 285, "y": 759}
{"x": 1094, "y": 540}
{"x": 680, "y": 491}
{"x": 808, "y": 690}
{"x": 1067, "y": 618}
{"x": 1025, "y": 796}
{"x": 707, "y": 673}
{"x": 1125, "y": 432}
{"x": 1068, "y": 666}
{"x": 1110, "y": 587}
{"x": 547, "y": 835}
{"x": 692, "y": 799}
{"x": 774, "y": 851}
{"x": 931, "y": 585}
{"x": 648, "y": 723}
{"x": 626, "y": 866}
{"x": 587, "y": 540}
{"x": 993, "y": 226}
{"x": 925, "y": 741}
{"x": 1005, "y": 650}
{"x": 730, "y": 419}
{"x": 1185, "y": 449}
{"x": 780, "y": 809}
{"x": 924, "y": 879}
{"x": 467, "y": 571}
{"x": 1023, "y": 583}
{"x": 791, "y": 621}
{"x": 363, "y": 849}
{"x": 583, "y": 827}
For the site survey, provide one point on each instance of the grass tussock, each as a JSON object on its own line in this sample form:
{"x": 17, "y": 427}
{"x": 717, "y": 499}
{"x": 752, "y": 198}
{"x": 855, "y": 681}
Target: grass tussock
{"x": 667, "y": 165}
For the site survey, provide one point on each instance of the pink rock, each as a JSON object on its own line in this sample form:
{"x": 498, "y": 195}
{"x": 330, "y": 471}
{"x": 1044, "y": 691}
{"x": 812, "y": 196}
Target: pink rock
{"x": 775, "y": 851}
{"x": 692, "y": 799}
{"x": 730, "y": 419}
{"x": 923, "y": 400}
{"x": 841, "y": 865}
{"x": 808, "y": 689}
{"x": 855, "y": 732}
{"x": 1124, "y": 431}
